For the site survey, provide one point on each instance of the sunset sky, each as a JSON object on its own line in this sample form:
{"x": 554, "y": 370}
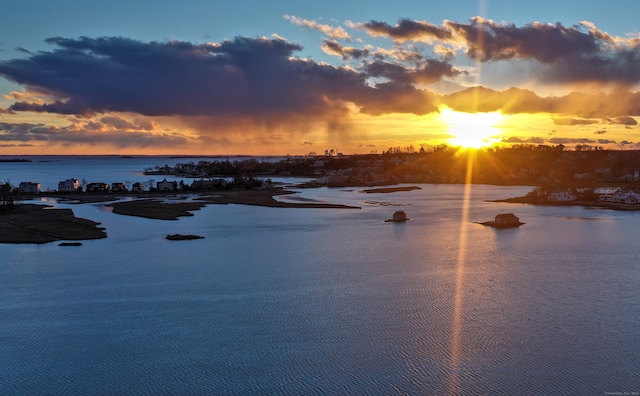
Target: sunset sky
{"x": 292, "y": 77}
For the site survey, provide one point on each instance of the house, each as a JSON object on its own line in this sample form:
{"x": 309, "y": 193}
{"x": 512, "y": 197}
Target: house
{"x": 210, "y": 184}
{"x": 29, "y": 188}
{"x": 561, "y": 195}
{"x": 625, "y": 196}
{"x": 118, "y": 187}
{"x": 5, "y": 188}
{"x": 137, "y": 187}
{"x": 97, "y": 187}
{"x": 166, "y": 185}
{"x": 69, "y": 185}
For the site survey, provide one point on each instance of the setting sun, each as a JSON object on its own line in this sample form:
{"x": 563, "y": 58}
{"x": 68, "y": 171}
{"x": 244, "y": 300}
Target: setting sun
{"x": 471, "y": 130}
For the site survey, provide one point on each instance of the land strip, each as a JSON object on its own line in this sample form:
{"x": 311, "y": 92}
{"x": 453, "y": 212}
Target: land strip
{"x": 29, "y": 223}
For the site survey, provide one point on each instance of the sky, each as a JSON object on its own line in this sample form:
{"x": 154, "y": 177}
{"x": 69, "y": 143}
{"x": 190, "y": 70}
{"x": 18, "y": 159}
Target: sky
{"x": 291, "y": 78}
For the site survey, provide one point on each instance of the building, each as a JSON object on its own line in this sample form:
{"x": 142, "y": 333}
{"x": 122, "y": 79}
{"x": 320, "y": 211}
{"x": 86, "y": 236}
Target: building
{"x": 69, "y": 185}
{"x": 166, "y": 185}
{"x": 137, "y": 187}
{"x": 561, "y": 195}
{"x": 29, "y": 188}
{"x": 118, "y": 187}
{"x": 625, "y": 196}
{"x": 97, "y": 187}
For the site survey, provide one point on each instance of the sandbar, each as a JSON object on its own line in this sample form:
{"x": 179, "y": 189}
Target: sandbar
{"x": 154, "y": 208}
{"x": 387, "y": 190}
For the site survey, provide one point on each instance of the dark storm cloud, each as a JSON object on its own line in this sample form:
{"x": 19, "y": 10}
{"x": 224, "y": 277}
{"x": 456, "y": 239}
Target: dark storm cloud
{"x": 407, "y": 30}
{"x": 243, "y": 77}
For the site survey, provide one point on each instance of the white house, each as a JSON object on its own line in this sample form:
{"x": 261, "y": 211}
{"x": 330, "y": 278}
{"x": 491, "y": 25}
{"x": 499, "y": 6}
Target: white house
{"x": 29, "y": 188}
{"x": 561, "y": 195}
{"x": 69, "y": 185}
{"x": 623, "y": 196}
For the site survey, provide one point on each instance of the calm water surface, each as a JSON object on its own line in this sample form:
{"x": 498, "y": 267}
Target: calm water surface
{"x": 324, "y": 301}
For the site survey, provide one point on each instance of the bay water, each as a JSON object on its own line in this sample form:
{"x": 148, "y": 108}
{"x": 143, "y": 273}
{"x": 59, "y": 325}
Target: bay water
{"x": 327, "y": 301}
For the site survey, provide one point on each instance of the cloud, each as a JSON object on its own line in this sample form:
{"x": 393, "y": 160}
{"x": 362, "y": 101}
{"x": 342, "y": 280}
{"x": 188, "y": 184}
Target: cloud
{"x": 530, "y": 140}
{"x": 487, "y": 40}
{"x": 429, "y": 71}
{"x": 560, "y": 140}
{"x": 407, "y": 30}
{"x": 332, "y": 47}
{"x": 331, "y": 31}
{"x": 87, "y": 133}
{"x": 259, "y": 78}
{"x": 574, "y": 121}
{"x": 625, "y": 120}
{"x": 561, "y": 54}
{"x": 616, "y": 106}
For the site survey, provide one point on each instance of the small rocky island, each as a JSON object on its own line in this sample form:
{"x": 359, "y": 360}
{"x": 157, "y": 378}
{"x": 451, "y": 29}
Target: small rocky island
{"x": 504, "y": 220}
{"x": 183, "y": 237}
{"x": 398, "y": 217}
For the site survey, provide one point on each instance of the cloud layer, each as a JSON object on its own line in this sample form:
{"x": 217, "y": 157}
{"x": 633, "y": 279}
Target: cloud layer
{"x": 253, "y": 81}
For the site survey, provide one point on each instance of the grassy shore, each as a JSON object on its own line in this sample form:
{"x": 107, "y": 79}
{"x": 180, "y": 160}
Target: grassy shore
{"x": 37, "y": 224}
{"x": 31, "y": 223}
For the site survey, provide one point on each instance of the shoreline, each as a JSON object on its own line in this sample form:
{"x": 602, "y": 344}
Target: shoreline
{"x": 584, "y": 204}
{"x": 40, "y": 223}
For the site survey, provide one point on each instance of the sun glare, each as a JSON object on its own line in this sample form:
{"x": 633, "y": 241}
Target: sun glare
{"x": 471, "y": 130}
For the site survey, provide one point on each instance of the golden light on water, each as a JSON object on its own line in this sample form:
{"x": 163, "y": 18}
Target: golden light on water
{"x": 471, "y": 130}
{"x": 456, "y": 327}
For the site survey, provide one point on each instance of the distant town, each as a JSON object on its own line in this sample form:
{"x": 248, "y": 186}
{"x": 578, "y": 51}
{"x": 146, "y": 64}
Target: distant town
{"x": 584, "y": 174}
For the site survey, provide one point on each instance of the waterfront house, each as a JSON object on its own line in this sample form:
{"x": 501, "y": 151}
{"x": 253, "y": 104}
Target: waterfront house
{"x": 166, "y": 185}
{"x": 209, "y": 184}
{"x": 625, "y": 196}
{"x": 137, "y": 187}
{"x": 118, "y": 187}
{"x": 29, "y": 188}
{"x": 69, "y": 185}
{"x": 564, "y": 195}
{"x": 97, "y": 187}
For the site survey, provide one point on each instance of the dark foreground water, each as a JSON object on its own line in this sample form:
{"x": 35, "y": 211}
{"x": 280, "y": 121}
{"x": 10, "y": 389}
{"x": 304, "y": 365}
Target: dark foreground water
{"x": 299, "y": 301}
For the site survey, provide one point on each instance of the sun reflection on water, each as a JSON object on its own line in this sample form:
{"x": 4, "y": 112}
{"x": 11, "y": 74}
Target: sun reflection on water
{"x": 456, "y": 328}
